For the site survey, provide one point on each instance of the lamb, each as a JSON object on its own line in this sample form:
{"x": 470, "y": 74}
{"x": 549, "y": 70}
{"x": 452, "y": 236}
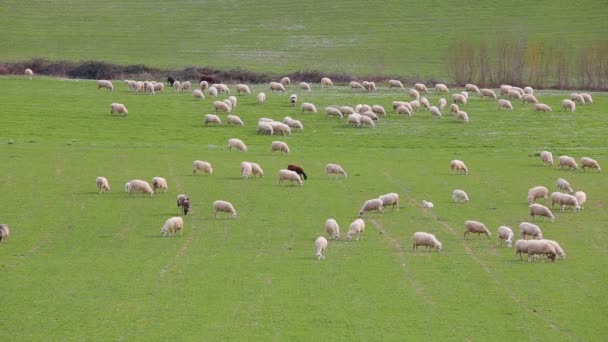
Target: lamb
{"x": 326, "y": 82}
{"x": 378, "y": 109}
{"x": 426, "y": 240}
{"x": 567, "y": 161}
{"x": 505, "y": 234}
{"x": 198, "y": 94}
{"x": 546, "y": 157}
{"x": 587, "y": 162}
{"x": 462, "y": 116}
{"x": 568, "y": 105}
{"x": 521, "y": 246}
{"x": 396, "y": 104}
{"x": 442, "y": 103}
{"x": 171, "y": 226}
{"x": 360, "y": 108}
{"x": 293, "y": 123}
{"x": 138, "y": 185}
{"x": 265, "y": 128}
{"x": 366, "y": 120}
{"x": 564, "y": 186}
{"x": 564, "y": 200}
{"x": 514, "y": 94}
{"x": 261, "y": 97}
{"x": 293, "y": 99}
{"x": 414, "y": 94}
{"x": 320, "y": 246}
{"x": 541, "y": 247}
{"x": 297, "y": 169}
{"x": 395, "y": 84}
{"x": 105, "y": 84}
{"x": 234, "y": 120}
{"x": 541, "y": 107}
{"x": 228, "y": 103}
{"x": 356, "y": 85}
{"x": 540, "y": 210}
{"x": 102, "y": 184}
{"x": 29, "y": 73}
{"x": 332, "y": 228}
{"x": 225, "y": 207}
{"x": 356, "y": 229}
{"x": 186, "y": 85}
{"x": 213, "y": 91}
{"x": 404, "y": 110}
{"x": 335, "y": 169}
{"x": 159, "y": 183}
{"x": 183, "y": 202}
{"x": 332, "y": 111}
{"x": 285, "y": 81}
{"x": 471, "y": 226}
{"x": 528, "y": 98}
{"x": 305, "y": 86}
{"x": 458, "y": 165}
{"x": 528, "y": 90}
{"x": 390, "y": 199}
{"x": 454, "y": 108}
{"x": 275, "y": 86}
{"x": 485, "y": 92}
{"x": 233, "y": 102}
{"x": 426, "y": 204}
{"x": 4, "y": 232}
{"x": 246, "y": 170}
{"x": 587, "y": 98}
{"x": 471, "y": 87}
{"x": 458, "y": 98}
{"x": 256, "y": 170}
{"x": 279, "y": 146}
{"x": 441, "y": 88}
{"x": 291, "y": 176}
{"x": 577, "y": 98}
{"x": 354, "y": 119}
{"x": 459, "y": 196}
{"x": 502, "y": 103}
{"x": 221, "y": 106}
{"x": 203, "y": 166}
{"x": 308, "y": 107}
{"x": 237, "y": 144}
{"x": 537, "y": 192}
{"x": 372, "y": 205}
{"x": 425, "y": 102}
{"x": 415, "y": 105}
{"x": 211, "y": 118}
{"x": 421, "y": 87}
{"x": 581, "y": 197}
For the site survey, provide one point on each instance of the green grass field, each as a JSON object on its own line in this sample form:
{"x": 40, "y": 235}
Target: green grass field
{"x": 84, "y": 266}
{"x": 402, "y": 38}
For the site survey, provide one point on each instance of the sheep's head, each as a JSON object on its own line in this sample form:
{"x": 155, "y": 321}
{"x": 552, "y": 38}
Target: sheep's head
{"x": 438, "y": 246}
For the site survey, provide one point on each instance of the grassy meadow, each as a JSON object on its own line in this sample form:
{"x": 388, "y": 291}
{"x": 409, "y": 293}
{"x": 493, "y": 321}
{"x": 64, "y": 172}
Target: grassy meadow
{"x": 84, "y": 266}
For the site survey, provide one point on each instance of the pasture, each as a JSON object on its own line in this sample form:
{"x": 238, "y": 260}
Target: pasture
{"x": 84, "y": 266}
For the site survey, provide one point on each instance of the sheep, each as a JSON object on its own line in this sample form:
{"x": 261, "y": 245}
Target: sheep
{"x": 204, "y": 85}
{"x": 228, "y": 103}
{"x": 404, "y": 110}
{"x": 527, "y": 228}
{"x": 426, "y": 204}
{"x": 375, "y": 204}
{"x": 558, "y": 249}
{"x": 465, "y": 94}
{"x": 356, "y": 85}
{"x": 291, "y": 176}
{"x": 159, "y": 183}
{"x": 458, "y": 98}
{"x": 233, "y": 102}
{"x": 435, "y": 111}
{"x": 332, "y": 229}
{"x": 471, "y": 226}
{"x": 221, "y": 106}
{"x": 454, "y": 108}
{"x": 581, "y": 197}
{"x": 541, "y": 247}
{"x": 540, "y": 210}
{"x": 345, "y": 110}
{"x": 485, "y": 92}
{"x": 102, "y": 184}
{"x": 243, "y": 88}
{"x": 390, "y": 199}
{"x": 458, "y": 165}
{"x": 256, "y": 170}
{"x": 528, "y": 90}
{"x": 297, "y": 169}
{"x": 567, "y": 161}
{"x": 421, "y": 87}
{"x": 198, "y": 94}
{"x": 541, "y": 107}
{"x": 171, "y": 226}
{"x": 371, "y": 86}
{"x": 354, "y": 119}
{"x": 280, "y": 128}
{"x": 378, "y": 109}
{"x": 308, "y": 107}
{"x": 183, "y": 202}
{"x": 462, "y": 116}
{"x": 293, "y": 98}
{"x": 528, "y": 98}
{"x": 211, "y": 118}
{"x": 568, "y": 105}
{"x": 332, "y": 111}
{"x": 502, "y": 103}
{"x": 356, "y": 229}
{"x": 514, "y": 94}
{"x": 564, "y": 186}
{"x": 237, "y": 144}
{"x": 203, "y": 166}
{"x": 564, "y": 200}
{"x": 320, "y": 246}
{"x": 426, "y": 240}
{"x": 265, "y": 128}
{"x": 246, "y": 170}
{"x": 425, "y": 102}
{"x": 177, "y": 86}
{"x": 414, "y": 94}
{"x": 293, "y": 123}
{"x": 587, "y": 98}
{"x": 518, "y": 89}
{"x": 395, "y": 84}
{"x": 234, "y": 120}
{"x": 521, "y": 246}
{"x": 335, "y": 169}
{"x": 279, "y": 146}
{"x": 587, "y": 162}
{"x": 285, "y": 81}
{"x": 305, "y": 86}
{"x": 370, "y": 115}
{"x": 186, "y": 85}
{"x": 4, "y": 232}
{"x": 415, "y": 105}
{"x": 537, "y": 192}
{"x": 360, "y": 108}
{"x": 138, "y": 185}
{"x": 441, "y": 88}
{"x": 160, "y": 87}
{"x": 261, "y": 97}
{"x": 213, "y": 91}
{"x": 442, "y": 103}
{"x": 105, "y": 84}
{"x": 223, "y": 206}
{"x": 326, "y": 82}
{"x": 366, "y": 120}
{"x": 577, "y": 98}
{"x": 396, "y": 104}
{"x": 222, "y": 88}
{"x": 471, "y": 87}
{"x": 546, "y": 157}
{"x": 29, "y": 73}
{"x": 459, "y": 196}
{"x": 505, "y": 234}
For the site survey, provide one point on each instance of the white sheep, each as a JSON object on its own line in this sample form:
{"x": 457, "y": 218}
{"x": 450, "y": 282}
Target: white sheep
{"x": 171, "y": 226}
{"x": 396, "y": 104}
{"x": 514, "y": 94}
{"x": 308, "y": 107}
{"x": 425, "y": 102}
{"x": 246, "y": 170}
{"x": 564, "y": 186}
{"x": 345, "y": 110}
{"x": 4, "y": 232}
{"x": 233, "y": 102}
{"x": 354, "y": 119}
{"x": 105, "y": 84}
{"x": 471, "y": 226}
{"x": 265, "y": 128}
{"x": 256, "y": 170}
{"x": 568, "y": 105}
{"x": 558, "y": 249}
{"x": 177, "y": 86}
{"x": 243, "y": 88}
{"x": 198, "y": 94}
{"x": 223, "y": 206}
{"x": 332, "y": 111}
{"x": 372, "y": 205}
{"x": 528, "y": 98}
{"x": 378, "y": 109}
{"x": 222, "y": 88}
{"x": 441, "y": 88}
{"x": 371, "y": 86}
{"x": 546, "y": 157}
{"x": 502, "y": 103}
{"x": 459, "y": 196}
{"x": 211, "y": 118}
{"x": 404, "y": 110}
{"x": 577, "y": 98}
{"x": 465, "y": 94}
{"x": 356, "y": 229}
{"x": 458, "y": 165}
{"x": 414, "y": 94}
{"x": 366, "y": 120}
{"x": 29, "y": 73}
{"x": 186, "y": 85}
{"x": 138, "y": 185}
{"x": 159, "y": 183}
{"x": 234, "y": 120}
{"x": 485, "y": 92}
{"x": 544, "y": 247}
{"x": 395, "y": 84}
{"x": 279, "y": 146}
{"x": 102, "y": 184}
{"x": 203, "y": 85}
{"x": 415, "y": 105}
{"x": 356, "y": 85}
{"x": 427, "y": 204}
{"x": 528, "y": 90}
{"x": 537, "y": 192}
{"x": 237, "y": 144}
{"x": 221, "y": 106}
{"x": 564, "y": 200}
{"x": 326, "y": 82}
{"x": 305, "y": 86}
{"x": 390, "y": 199}
{"x": 436, "y": 112}
{"x": 228, "y": 103}
{"x": 158, "y": 86}
{"x": 442, "y": 103}
{"x": 581, "y": 197}
{"x": 587, "y": 162}
{"x": 213, "y": 91}
{"x": 459, "y": 98}
{"x": 521, "y": 246}
{"x": 462, "y": 116}
{"x": 320, "y": 246}
{"x": 293, "y": 123}
{"x": 421, "y": 87}
{"x": 567, "y": 161}
{"x": 118, "y": 108}
{"x": 587, "y": 98}
{"x": 289, "y": 175}
{"x": 541, "y": 107}
{"x": 285, "y": 81}
{"x": 540, "y": 210}
{"x": 426, "y": 240}
{"x": 202, "y": 166}
{"x": 335, "y": 169}
{"x": 471, "y": 87}
{"x": 280, "y": 128}
{"x": 505, "y": 234}
{"x": 332, "y": 228}
{"x": 293, "y": 98}
{"x": 261, "y": 97}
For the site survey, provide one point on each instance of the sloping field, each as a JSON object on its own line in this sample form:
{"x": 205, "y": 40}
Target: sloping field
{"x": 84, "y": 266}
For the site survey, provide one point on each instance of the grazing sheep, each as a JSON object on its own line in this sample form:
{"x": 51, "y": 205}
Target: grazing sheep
{"x": 581, "y": 197}
{"x": 404, "y": 110}
{"x": 462, "y": 116}
{"x": 442, "y": 103}
{"x": 149, "y": 87}
{"x": 291, "y": 176}
{"x": 237, "y": 144}
{"x": 567, "y": 161}
{"x": 305, "y": 86}
{"x": 471, "y": 87}
{"x": 415, "y": 105}
{"x": 514, "y": 94}
{"x": 4, "y": 232}
{"x": 228, "y": 103}
{"x": 332, "y": 111}
{"x": 285, "y": 81}
{"x": 471, "y": 226}
{"x": 221, "y": 106}
{"x": 256, "y": 170}
{"x": 213, "y": 91}
{"x": 390, "y": 199}
{"x": 441, "y": 88}
{"x": 159, "y": 183}
{"x": 454, "y": 108}
{"x": 458, "y": 98}
{"x": 502, "y": 103}
{"x": 564, "y": 186}
{"x": 366, "y": 120}
{"x": 459, "y": 196}
{"x": 458, "y": 165}
{"x": 320, "y": 246}
{"x": 564, "y": 200}
{"x": 279, "y": 146}
{"x": 198, "y": 94}
{"x": 528, "y": 90}
{"x": 543, "y": 247}
{"x": 261, "y": 97}
{"x": 345, "y": 110}
{"x": 102, "y": 184}
{"x": 308, "y": 107}
{"x": 183, "y": 202}
{"x": 505, "y": 234}
{"x": 280, "y": 128}
{"x": 297, "y": 169}
{"x": 265, "y": 128}
{"x": 293, "y": 123}
{"x": 426, "y": 204}
{"x": 370, "y": 115}
{"x": 326, "y": 82}
{"x": 118, "y": 108}
{"x": 541, "y": 107}
{"x": 222, "y": 88}
{"x": 186, "y": 85}
{"x": 558, "y": 249}
{"x": 356, "y": 229}
{"x": 426, "y": 240}
{"x": 521, "y": 246}
{"x": 177, "y": 86}
{"x": 234, "y": 120}
{"x": 332, "y": 228}
{"x": 395, "y": 84}
{"x": 587, "y": 98}
{"x": 378, "y": 109}
{"x": 138, "y": 185}
{"x": 202, "y": 166}
{"x": 425, "y": 102}
{"x": 485, "y": 92}
{"x": 211, "y": 118}
{"x": 537, "y": 192}
{"x": 204, "y": 85}
{"x": 465, "y": 94}
{"x": 246, "y": 170}
{"x": 293, "y": 99}
{"x": 372, "y": 205}
{"x": 540, "y": 210}
{"x": 335, "y": 169}
{"x": 577, "y": 98}
{"x": 171, "y": 226}
{"x": 568, "y": 105}
{"x": 546, "y": 157}
{"x": 354, "y": 119}
{"x": 105, "y": 84}
{"x": 527, "y": 98}
{"x": 396, "y": 104}
{"x": 160, "y": 87}
{"x": 356, "y": 85}
{"x": 29, "y": 73}
{"x": 421, "y": 87}
{"x": 587, "y": 162}
{"x": 223, "y": 206}
{"x": 233, "y": 102}
{"x": 414, "y": 94}
{"x": 371, "y": 86}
